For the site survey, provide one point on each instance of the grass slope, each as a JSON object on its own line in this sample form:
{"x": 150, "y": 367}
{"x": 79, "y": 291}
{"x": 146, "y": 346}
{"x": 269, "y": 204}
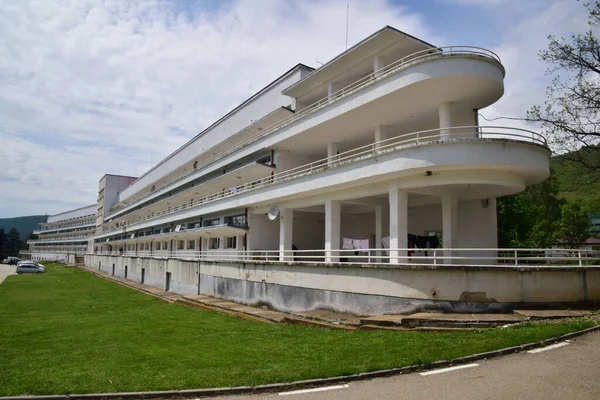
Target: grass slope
{"x": 68, "y": 331}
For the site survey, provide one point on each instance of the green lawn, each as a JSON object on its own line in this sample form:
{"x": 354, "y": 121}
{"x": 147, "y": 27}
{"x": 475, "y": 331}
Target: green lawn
{"x": 68, "y": 331}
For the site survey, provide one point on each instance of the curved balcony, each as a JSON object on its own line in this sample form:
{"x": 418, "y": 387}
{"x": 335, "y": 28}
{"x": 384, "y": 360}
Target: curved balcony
{"x": 389, "y": 70}
{"x": 421, "y": 139}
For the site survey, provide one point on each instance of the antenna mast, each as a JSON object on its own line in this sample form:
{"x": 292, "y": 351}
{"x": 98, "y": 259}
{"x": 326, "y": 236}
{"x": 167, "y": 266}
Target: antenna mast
{"x": 347, "y": 16}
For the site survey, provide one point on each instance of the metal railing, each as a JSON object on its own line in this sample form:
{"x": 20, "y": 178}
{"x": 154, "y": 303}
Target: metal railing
{"x": 355, "y": 155}
{"x": 46, "y": 238}
{"x": 368, "y": 80}
{"x": 384, "y": 256}
{"x": 50, "y": 226}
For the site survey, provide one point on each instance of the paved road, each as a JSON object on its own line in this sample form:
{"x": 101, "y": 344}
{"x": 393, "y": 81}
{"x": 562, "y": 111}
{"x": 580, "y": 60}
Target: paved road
{"x": 567, "y": 372}
{"x": 6, "y": 270}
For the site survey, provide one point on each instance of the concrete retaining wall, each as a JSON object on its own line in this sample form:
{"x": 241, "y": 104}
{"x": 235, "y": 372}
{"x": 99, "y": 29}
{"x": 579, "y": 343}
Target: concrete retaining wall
{"x": 366, "y": 290}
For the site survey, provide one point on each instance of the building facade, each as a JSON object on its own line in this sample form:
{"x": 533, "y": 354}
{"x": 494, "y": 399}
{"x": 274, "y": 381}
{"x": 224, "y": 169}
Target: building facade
{"x": 63, "y": 235}
{"x": 328, "y": 187}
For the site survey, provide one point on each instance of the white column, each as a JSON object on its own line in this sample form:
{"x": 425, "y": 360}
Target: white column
{"x": 445, "y": 115}
{"x": 449, "y": 222}
{"x": 398, "y": 224}
{"x": 330, "y": 90}
{"x": 378, "y": 231}
{"x": 332, "y": 150}
{"x": 286, "y": 227}
{"x": 380, "y": 134}
{"x": 332, "y": 230}
{"x": 377, "y": 63}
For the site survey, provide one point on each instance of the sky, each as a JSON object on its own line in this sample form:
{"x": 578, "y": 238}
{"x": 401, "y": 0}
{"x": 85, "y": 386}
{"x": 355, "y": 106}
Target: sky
{"x": 90, "y": 87}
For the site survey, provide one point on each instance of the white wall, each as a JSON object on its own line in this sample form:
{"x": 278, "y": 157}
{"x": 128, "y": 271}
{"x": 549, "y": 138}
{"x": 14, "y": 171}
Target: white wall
{"x": 425, "y": 218}
{"x": 286, "y": 160}
{"x": 111, "y": 191}
{"x": 263, "y": 234}
{"x": 309, "y": 230}
{"x": 40, "y": 256}
{"x": 477, "y": 226}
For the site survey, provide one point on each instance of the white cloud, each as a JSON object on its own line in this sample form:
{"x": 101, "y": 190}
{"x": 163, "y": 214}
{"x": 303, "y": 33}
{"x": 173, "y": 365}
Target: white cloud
{"x": 91, "y": 87}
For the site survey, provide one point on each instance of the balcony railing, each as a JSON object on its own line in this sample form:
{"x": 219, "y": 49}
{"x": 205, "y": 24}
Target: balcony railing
{"x": 366, "y": 81}
{"x": 412, "y": 256}
{"x": 362, "y": 153}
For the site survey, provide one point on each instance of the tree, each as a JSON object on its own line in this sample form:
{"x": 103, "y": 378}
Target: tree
{"x": 529, "y": 219}
{"x": 2, "y": 245}
{"x": 570, "y": 117}
{"x": 575, "y": 223}
{"x": 13, "y": 243}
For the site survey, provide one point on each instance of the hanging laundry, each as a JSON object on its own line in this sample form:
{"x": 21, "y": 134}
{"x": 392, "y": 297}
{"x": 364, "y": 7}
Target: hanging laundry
{"x": 347, "y": 244}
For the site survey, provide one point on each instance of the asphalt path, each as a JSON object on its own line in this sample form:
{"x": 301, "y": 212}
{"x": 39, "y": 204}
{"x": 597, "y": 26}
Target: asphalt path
{"x": 569, "y": 370}
{"x": 6, "y": 270}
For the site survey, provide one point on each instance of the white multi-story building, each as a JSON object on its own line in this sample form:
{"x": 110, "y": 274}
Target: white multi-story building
{"x": 382, "y": 141}
{"x": 64, "y": 234}
{"x": 373, "y": 160}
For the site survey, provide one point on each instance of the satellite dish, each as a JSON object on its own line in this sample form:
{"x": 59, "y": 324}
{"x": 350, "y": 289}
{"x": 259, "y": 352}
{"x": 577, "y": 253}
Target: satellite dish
{"x": 273, "y": 213}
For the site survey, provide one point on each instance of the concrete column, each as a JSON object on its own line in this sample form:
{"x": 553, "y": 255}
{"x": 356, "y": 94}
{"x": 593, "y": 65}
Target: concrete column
{"x": 449, "y": 223}
{"x": 380, "y": 134}
{"x": 333, "y": 211}
{"x": 332, "y": 150}
{"x": 286, "y": 227}
{"x": 377, "y": 63}
{"x": 445, "y": 115}
{"x": 398, "y": 224}
{"x": 330, "y": 90}
{"x": 378, "y": 231}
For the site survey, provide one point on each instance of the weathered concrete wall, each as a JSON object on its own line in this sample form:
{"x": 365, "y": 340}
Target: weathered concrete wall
{"x": 364, "y": 289}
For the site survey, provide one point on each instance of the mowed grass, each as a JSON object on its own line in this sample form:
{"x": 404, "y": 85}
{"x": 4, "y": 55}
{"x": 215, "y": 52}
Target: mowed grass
{"x": 68, "y": 331}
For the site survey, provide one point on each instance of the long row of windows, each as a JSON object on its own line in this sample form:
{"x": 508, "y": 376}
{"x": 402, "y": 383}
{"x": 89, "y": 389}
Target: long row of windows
{"x": 230, "y": 242}
{"x": 238, "y": 221}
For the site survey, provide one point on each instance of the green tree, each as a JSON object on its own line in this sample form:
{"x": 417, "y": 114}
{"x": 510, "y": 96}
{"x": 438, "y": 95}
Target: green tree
{"x": 13, "y": 243}
{"x": 530, "y": 219}
{"x": 570, "y": 116}
{"x": 574, "y": 225}
{"x": 2, "y": 245}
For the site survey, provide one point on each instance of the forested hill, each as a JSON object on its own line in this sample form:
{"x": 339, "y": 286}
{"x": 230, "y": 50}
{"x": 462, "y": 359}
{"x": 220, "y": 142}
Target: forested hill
{"x": 577, "y": 182}
{"x": 25, "y": 225}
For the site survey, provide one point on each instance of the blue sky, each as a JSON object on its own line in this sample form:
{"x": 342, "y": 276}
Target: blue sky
{"x": 89, "y": 87}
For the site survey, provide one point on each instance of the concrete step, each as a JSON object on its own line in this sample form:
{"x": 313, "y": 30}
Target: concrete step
{"x": 329, "y": 317}
{"x": 550, "y": 314}
{"x": 242, "y": 310}
{"x": 293, "y": 320}
{"x": 440, "y": 320}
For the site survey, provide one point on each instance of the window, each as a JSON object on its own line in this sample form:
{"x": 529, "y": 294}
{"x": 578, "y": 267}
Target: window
{"x": 237, "y": 220}
{"x": 165, "y": 246}
{"x": 180, "y": 245}
{"x": 191, "y": 245}
{"x": 231, "y": 242}
{"x": 214, "y": 243}
{"x": 212, "y": 222}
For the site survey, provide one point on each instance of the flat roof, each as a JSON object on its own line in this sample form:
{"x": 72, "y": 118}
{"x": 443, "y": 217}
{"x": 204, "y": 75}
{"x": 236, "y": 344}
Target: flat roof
{"x": 75, "y": 209}
{"x": 374, "y": 42}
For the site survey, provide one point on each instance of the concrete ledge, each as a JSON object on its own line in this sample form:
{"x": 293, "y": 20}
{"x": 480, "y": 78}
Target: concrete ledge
{"x": 276, "y": 387}
{"x": 442, "y": 267}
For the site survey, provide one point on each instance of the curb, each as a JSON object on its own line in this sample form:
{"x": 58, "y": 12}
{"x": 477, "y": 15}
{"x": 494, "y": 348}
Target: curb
{"x": 275, "y": 387}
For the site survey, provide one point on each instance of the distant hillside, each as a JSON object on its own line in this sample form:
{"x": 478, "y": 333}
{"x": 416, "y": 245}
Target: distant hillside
{"x": 25, "y": 225}
{"x": 577, "y": 182}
